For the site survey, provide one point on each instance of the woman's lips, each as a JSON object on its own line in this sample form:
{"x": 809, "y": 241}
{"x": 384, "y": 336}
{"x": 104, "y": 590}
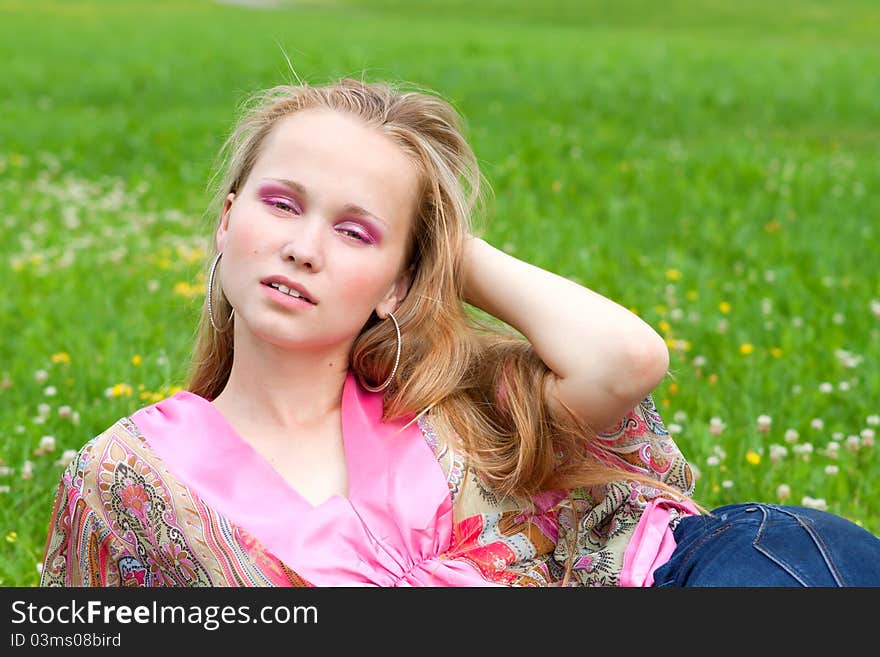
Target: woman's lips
{"x": 285, "y": 299}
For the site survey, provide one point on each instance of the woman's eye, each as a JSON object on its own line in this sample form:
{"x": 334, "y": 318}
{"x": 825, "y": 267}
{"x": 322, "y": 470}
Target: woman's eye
{"x": 353, "y": 233}
{"x": 282, "y": 205}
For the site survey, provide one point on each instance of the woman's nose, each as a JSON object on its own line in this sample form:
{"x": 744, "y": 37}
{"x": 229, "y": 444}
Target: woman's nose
{"x": 304, "y": 245}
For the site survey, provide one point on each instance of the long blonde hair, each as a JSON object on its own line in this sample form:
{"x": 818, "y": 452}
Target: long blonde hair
{"x": 455, "y": 363}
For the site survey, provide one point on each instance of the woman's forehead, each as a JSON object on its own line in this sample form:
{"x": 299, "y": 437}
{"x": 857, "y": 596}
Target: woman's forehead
{"x": 328, "y": 152}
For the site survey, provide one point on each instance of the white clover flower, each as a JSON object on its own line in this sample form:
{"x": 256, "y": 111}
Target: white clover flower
{"x": 838, "y": 318}
{"x": 5, "y": 471}
{"x": 843, "y": 385}
{"x": 722, "y": 326}
{"x": 875, "y": 308}
{"x": 825, "y": 387}
{"x": 831, "y": 470}
{"x": 764, "y": 422}
{"x": 43, "y": 409}
{"x": 47, "y": 444}
{"x": 796, "y": 389}
{"x": 716, "y": 426}
{"x": 777, "y": 453}
{"x": 814, "y": 503}
{"x": 712, "y": 461}
{"x": 50, "y": 391}
{"x": 27, "y": 470}
{"x": 817, "y": 424}
{"x": 853, "y": 443}
{"x": 75, "y": 417}
{"x": 41, "y": 376}
{"x": 680, "y": 416}
{"x": 727, "y": 483}
{"x": 674, "y": 429}
{"x": 837, "y": 435}
{"x": 873, "y": 420}
{"x": 791, "y": 435}
{"x": 867, "y": 438}
{"x": 783, "y": 492}
{"x": 719, "y": 452}
{"x": 766, "y": 306}
{"x": 152, "y": 285}
{"x": 699, "y": 361}
{"x": 66, "y": 457}
{"x": 676, "y": 314}
{"x": 64, "y": 411}
{"x": 832, "y": 449}
{"x": 769, "y": 275}
{"x": 797, "y": 322}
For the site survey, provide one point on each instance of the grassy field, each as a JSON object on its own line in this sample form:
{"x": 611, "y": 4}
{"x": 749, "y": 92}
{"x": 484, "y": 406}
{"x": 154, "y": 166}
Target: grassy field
{"x": 712, "y": 166}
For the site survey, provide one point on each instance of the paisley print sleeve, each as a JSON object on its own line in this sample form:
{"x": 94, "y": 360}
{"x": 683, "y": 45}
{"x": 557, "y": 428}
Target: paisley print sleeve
{"x": 640, "y": 443}
{"x": 81, "y": 550}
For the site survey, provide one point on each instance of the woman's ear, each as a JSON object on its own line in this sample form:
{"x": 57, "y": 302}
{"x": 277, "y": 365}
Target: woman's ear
{"x": 397, "y": 293}
{"x": 223, "y": 226}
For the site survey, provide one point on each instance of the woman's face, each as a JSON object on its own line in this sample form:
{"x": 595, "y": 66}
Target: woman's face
{"x": 328, "y": 206}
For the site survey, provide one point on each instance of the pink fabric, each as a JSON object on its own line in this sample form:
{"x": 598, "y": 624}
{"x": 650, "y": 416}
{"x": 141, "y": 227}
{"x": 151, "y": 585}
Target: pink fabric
{"x": 652, "y": 543}
{"x": 392, "y": 530}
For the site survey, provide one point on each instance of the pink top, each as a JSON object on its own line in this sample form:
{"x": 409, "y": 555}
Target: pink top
{"x": 393, "y": 529}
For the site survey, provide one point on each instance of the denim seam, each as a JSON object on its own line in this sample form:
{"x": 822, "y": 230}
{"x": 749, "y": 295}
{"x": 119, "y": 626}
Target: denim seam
{"x": 817, "y": 540}
{"x": 690, "y": 553}
{"x": 759, "y": 548}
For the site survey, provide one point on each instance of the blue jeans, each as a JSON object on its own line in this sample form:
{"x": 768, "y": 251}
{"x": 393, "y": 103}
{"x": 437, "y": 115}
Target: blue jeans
{"x": 757, "y": 544}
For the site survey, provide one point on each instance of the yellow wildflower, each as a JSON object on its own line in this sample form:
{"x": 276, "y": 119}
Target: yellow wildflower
{"x": 776, "y": 351}
{"x": 12, "y": 537}
{"x": 724, "y": 307}
{"x": 119, "y": 390}
{"x": 746, "y": 348}
{"x": 61, "y": 357}
{"x": 753, "y": 457}
{"x": 660, "y": 308}
{"x": 664, "y": 326}
{"x": 136, "y": 360}
{"x": 673, "y": 388}
{"x": 692, "y": 295}
{"x": 673, "y": 275}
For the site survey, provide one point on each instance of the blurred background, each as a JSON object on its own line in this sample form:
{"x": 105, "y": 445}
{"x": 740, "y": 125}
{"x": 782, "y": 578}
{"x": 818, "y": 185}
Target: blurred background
{"x": 713, "y": 166}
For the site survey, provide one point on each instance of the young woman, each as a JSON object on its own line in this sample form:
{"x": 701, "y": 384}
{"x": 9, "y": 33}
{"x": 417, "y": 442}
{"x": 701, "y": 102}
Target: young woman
{"x": 349, "y": 421}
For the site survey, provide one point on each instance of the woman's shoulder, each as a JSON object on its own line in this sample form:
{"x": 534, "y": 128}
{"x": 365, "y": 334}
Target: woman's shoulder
{"x": 120, "y": 446}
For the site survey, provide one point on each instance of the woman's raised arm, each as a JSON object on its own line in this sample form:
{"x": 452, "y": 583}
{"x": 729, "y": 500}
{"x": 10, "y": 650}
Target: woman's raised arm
{"x": 605, "y": 358}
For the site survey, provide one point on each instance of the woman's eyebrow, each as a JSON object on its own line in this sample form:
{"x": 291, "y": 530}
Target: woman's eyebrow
{"x": 350, "y": 207}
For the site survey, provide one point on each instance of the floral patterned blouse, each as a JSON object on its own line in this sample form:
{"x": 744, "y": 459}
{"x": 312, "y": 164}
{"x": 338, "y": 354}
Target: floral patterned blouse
{"x": 173, "y": 496}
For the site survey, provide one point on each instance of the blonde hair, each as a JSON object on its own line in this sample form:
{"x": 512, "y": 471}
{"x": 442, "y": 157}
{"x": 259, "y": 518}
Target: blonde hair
{"x": 482, "y": 381}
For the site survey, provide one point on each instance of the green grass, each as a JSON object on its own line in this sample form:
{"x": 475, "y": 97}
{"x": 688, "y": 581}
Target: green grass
{"x": 673, "y": 160}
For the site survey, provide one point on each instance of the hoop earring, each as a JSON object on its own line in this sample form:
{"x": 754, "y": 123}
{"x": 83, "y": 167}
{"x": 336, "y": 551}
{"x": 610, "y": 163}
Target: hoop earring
{"x": 396, "y": 360}
{"x": 211, "y": 295}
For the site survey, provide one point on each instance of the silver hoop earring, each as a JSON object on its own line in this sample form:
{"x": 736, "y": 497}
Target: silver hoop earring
{"x": 396, "y": 360}
{"x": 210, "y": 296}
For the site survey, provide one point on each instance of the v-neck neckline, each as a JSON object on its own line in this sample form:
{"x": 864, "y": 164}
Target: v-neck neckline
{"x": 398, "y": 500}
{"x": 265, "y": 468}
